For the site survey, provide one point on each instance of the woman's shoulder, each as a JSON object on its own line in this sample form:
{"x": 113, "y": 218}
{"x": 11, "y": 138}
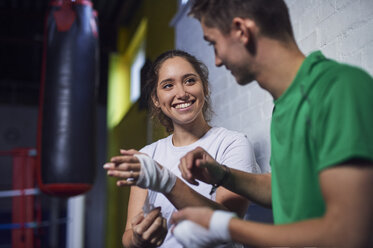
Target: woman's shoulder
{"x": 223, "y": 137}
{"x": 151, "y": 148}
{"x": 227, "y": 134}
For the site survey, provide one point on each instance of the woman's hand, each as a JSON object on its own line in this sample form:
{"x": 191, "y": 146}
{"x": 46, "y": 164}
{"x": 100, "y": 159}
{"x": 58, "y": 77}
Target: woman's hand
{"x": 126, "y": 167}
{"x": 149, "y": 230}
{"x": 134, "y": 168}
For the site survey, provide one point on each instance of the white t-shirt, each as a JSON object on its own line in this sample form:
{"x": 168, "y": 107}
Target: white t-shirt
{"x": 230, "y": 148}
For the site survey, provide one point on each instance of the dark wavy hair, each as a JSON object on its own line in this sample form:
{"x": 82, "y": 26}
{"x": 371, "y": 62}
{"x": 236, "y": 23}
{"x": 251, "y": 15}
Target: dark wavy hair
{"x": 271, "y": 16}
{"x": 152, "y": 82}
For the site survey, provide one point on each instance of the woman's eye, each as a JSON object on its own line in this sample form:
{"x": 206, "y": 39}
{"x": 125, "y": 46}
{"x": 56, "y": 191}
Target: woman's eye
{"x": 190, "y": 80}
{"x": 166, "y": 86}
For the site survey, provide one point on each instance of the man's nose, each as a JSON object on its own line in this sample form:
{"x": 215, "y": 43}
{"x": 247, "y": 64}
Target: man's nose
{"x": 218, "y": 61}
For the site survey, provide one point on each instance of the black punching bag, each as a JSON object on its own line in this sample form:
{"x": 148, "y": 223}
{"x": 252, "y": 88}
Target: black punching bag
{"x": 66, "y": 130}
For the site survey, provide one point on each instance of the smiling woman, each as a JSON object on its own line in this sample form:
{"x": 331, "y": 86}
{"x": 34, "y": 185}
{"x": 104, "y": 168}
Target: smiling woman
{"x": 179, "y": 98}
{"x": 180, "y": 94}
{"x": 173, "y": 73}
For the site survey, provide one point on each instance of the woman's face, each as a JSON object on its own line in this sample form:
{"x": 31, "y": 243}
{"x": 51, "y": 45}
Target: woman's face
{"x": 179, "y": 91}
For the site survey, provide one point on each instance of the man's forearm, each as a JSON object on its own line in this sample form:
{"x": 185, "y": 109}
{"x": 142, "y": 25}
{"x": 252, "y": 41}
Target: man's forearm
{"x": 255, "y": 187}
{"x": 307, "y": 233}
{"x": 318, "y": 232}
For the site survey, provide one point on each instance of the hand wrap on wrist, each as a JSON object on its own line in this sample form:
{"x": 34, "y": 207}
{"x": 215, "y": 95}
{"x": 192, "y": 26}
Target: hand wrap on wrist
{"x": 153, "y": 177}
{"x": 192, "y": 235}
{"x": 219, "y": 224}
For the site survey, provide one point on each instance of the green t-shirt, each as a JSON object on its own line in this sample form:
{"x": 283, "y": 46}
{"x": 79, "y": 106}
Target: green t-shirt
{"x": 323, "y": 119}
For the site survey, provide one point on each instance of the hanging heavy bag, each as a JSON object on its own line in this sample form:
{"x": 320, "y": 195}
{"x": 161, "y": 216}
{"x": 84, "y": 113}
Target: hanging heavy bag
{"x": 66, "y": 135}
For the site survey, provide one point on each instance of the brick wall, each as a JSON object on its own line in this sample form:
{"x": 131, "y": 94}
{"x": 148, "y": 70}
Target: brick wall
{"x": 341, "y": 29}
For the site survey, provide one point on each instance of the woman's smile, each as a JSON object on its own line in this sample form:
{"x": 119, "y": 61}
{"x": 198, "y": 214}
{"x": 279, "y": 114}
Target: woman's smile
{"x": 183, "y": 105}
{"x": 180, "y": 92}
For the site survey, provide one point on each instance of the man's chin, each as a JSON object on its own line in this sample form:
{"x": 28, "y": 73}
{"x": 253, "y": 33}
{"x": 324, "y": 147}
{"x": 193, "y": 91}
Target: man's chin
{"x": 244, "y": 81}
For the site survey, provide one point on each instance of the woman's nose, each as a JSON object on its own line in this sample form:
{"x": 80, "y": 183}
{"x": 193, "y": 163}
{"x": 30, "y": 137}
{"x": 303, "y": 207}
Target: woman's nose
{"x": 181, "y": 92}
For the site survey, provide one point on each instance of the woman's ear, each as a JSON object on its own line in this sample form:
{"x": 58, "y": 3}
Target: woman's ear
{"x": 155, "y": 100}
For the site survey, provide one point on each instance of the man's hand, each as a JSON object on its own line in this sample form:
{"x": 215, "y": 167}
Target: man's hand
{"x": 202, "y": 227}
{"x": 199, "y": 165}
{"x": 199, "y": 215}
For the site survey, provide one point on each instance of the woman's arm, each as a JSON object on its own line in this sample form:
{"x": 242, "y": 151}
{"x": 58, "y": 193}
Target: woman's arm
{"x": 180, "y": 194}
{"x": 143, "y": 231}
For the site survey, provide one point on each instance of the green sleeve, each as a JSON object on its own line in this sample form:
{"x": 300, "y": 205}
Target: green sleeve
{"x": 345, "y": 120}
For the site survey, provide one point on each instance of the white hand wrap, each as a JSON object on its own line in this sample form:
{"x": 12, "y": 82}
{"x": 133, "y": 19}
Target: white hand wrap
{"x": 219, "y": 224}
{"x": 190, "y": 234}
{"x": 153, "y": 177}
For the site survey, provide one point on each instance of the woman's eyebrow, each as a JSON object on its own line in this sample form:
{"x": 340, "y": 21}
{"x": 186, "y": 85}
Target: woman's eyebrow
{"x": 189, "y": 74}
{"x": 167, "y": 80}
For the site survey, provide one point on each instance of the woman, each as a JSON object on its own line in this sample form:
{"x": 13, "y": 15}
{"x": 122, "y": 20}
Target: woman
{"x": 179, "y": 98}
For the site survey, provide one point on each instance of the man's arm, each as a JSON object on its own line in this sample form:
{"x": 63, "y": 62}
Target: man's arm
{"x": 199, "y": 165}
{"x": 255, "y": 187}
{"x": 348, "y": 221}
{"x": 183, "y": 196}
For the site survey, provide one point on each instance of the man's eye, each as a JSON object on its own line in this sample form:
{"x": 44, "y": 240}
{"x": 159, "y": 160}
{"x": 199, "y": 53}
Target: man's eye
{"x": 210, "y": 43}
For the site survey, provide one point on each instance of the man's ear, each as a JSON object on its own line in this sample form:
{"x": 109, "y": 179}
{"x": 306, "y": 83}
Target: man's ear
{"x": 243, "y": 29}
{"x": 155, "y": 101}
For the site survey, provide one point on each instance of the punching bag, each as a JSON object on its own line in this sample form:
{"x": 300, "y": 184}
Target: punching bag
{"x": 66, "y": 129}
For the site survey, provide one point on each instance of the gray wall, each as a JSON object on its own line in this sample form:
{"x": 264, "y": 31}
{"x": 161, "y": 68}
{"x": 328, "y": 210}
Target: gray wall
{"x": 341, "y": 29}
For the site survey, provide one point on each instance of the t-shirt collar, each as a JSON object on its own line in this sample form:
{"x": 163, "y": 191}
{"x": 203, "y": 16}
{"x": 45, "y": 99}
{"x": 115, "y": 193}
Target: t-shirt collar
{"x": 302, "y": 73}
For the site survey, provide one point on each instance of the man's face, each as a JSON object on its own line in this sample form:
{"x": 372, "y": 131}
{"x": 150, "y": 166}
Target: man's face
{"x": 231, "y": 53}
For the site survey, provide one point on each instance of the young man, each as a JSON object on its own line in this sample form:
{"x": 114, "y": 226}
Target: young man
{"x": 321, "y": 185}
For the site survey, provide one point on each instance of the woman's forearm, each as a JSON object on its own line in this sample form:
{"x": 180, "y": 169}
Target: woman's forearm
{"x": 183, "y": 196}
{"x": 127, "y": 239}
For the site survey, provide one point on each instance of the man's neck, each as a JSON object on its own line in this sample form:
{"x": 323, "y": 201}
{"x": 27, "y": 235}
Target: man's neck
{"x": 279, "y": 64}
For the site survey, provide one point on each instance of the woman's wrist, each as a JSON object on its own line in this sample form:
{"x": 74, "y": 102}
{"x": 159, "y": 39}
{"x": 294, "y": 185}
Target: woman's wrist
{"x": 128, "y": 240}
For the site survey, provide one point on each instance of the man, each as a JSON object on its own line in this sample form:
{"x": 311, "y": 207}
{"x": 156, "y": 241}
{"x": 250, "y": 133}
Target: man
{"x": 321, "y": 185}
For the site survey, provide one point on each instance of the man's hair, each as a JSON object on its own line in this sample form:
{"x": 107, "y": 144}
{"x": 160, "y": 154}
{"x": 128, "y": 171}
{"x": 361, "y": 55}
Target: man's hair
{"x": 271, "y": 16}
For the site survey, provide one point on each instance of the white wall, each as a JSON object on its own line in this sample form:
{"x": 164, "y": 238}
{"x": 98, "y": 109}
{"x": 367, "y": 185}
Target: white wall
{"x": 341, "y": 29}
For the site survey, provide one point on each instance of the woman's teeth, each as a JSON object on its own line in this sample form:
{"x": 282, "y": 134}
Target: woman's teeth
{"x": 183, "y": 105}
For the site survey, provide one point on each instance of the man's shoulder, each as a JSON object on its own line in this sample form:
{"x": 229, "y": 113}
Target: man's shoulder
{"x": 330, "y": 75}
{"x": 340, "y": 72}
